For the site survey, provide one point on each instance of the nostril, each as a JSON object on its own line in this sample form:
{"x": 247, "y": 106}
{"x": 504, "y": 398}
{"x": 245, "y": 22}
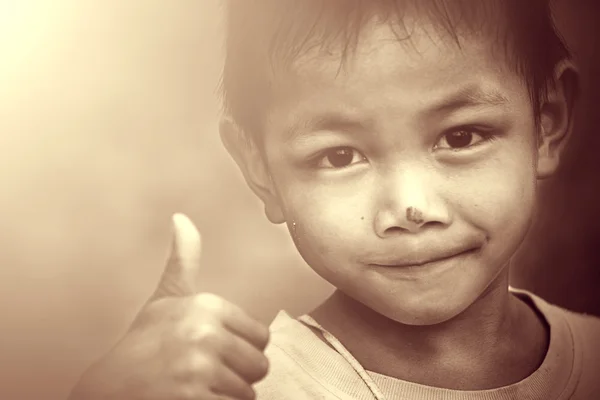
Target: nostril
{"x": 412, "y": 227}
{"x": 395, "y": 230}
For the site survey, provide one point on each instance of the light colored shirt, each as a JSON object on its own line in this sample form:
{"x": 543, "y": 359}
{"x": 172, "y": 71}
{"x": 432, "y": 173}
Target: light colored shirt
{"x": 303, "y": 366}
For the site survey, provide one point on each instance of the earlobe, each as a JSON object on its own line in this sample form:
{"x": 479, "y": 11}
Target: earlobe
{"x": 249, "y": 159}
{"x": 556, "y": 118}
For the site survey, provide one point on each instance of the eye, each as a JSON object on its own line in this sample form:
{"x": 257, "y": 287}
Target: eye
{"x": 340, "y": 157}
{"x": 462, "y": 138}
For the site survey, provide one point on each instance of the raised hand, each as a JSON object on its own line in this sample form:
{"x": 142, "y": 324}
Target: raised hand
{"x": 182, "y": 344}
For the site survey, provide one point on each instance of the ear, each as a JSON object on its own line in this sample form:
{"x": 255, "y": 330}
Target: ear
{"x": 556, "y": 122}
{"x": 251, "y": 162}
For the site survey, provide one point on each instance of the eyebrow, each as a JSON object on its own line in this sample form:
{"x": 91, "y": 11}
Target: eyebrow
{"x": 332, "y": 122}
{"x": 469, "y": 97}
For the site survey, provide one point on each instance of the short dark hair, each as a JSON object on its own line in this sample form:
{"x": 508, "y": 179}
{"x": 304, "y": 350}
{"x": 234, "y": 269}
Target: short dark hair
{"x": 264, "y": 32}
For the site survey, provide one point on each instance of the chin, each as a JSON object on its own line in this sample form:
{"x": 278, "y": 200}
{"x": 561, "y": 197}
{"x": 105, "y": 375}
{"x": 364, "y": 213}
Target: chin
{"x": 424, "y": 313}
{"x": 435, "y": 317}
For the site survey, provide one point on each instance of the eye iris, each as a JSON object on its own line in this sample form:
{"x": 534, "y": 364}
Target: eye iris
{"x": 340, "y": 157}
{"x": 459, "y": 139}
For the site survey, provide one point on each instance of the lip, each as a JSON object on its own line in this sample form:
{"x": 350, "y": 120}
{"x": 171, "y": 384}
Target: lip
{"x": 433, "y": 268}
{"x": 418, "y": 263}
{"x": 413, "y": 269}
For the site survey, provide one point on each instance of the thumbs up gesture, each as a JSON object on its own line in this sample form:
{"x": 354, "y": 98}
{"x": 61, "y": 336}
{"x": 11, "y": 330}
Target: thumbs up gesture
{"x": 182, "y": 344}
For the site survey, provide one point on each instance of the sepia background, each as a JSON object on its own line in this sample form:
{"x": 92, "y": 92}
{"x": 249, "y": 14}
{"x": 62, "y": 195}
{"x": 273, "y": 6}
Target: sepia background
{"x": 108, "y": 125}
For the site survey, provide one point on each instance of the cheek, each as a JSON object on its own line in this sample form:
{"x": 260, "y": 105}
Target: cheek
{"x": 501, "y": 192}
{"x": 324, "y": 214}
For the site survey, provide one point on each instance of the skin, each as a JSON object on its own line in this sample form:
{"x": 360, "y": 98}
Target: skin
{"x": 415, "y": 232}
{"x": 183, "y": 344}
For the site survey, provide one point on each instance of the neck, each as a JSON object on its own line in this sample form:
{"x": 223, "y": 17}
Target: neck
{"x": 463, "y": 353}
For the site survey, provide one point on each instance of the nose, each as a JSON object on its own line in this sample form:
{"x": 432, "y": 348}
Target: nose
{"x": 409, "y": 201}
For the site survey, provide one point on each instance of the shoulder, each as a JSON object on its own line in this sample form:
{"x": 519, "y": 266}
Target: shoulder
{"x": 580, "y": 323}
{"x": 584, "y": 328}
{"x": 583, "y": 340}
{"x": 586, "y": 343}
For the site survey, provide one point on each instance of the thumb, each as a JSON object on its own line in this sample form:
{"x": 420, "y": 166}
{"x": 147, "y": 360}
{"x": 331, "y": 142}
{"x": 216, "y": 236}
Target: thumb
{"x": 179, "y": 276}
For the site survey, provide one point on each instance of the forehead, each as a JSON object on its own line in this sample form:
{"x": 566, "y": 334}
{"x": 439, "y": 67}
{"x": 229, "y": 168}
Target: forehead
{"x": 419, "y": 48}
{"x": 387, "y": 71}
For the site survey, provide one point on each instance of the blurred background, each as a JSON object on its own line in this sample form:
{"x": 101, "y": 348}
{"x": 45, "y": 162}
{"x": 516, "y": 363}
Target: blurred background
{"x": 108, "y": 125}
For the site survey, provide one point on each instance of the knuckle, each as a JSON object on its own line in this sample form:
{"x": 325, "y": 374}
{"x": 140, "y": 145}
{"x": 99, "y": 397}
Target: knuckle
{"x": 205, "y": 335}
{"x": 209, "y": 302}
{"x": 191, "y": 367}
{"x": 203, "y": 368}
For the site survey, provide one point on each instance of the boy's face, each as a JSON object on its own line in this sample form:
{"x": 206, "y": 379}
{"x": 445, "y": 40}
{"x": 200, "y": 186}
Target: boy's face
{"x": 407, "y": 177}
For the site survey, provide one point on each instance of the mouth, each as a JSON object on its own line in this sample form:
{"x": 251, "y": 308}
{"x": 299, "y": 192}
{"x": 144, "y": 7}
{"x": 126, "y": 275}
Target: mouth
{"x": 423, "y": 262}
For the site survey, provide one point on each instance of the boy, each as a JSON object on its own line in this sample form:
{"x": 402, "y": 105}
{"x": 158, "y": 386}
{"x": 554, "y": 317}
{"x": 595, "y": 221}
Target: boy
{"x": 400, "y": 141}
